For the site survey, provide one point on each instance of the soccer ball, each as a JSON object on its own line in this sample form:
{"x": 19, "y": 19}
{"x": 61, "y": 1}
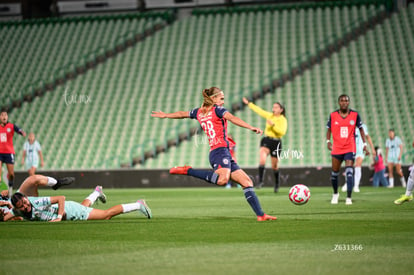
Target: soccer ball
{"x": 299, "y": 194}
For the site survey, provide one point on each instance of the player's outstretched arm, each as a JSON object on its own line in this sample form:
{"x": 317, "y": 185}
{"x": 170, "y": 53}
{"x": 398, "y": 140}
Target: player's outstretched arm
{"x": 241, "y": 123}
{"x": 175, "y": 115}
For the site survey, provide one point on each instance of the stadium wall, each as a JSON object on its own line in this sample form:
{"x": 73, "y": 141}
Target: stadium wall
{"x": 129, "y": 178}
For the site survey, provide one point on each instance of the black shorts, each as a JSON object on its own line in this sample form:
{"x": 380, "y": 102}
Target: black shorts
{"x": 221, "y": 158}
{"x": 7, "y": 158}
{"x": 346, "y": 156}
{"x": 273, "y": 144}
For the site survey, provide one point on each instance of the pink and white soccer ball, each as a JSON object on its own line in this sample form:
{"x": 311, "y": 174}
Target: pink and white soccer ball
{"x": 299, "y": 194}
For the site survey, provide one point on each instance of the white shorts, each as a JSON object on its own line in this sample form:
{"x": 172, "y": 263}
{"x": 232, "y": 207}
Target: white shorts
{"x": 29, "y": 164}
{"x": 393, "y": 160}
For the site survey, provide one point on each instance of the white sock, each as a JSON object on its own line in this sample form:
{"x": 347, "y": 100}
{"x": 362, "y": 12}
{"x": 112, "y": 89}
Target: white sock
{"x": 93, "y": 197}
{"x": 391, "y": 182}
{"x": 410, "y": 184}
{"x": 10, "y": 191}
{"x": 403, "y": 183}
{"x": 357, "y": 177}
{"x": 51, "y": 181}
{"x": 130, "y": 207}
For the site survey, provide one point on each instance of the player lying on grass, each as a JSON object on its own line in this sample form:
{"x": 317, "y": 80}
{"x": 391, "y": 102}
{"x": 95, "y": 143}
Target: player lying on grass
{"x": 56, "y": 208}
{"x": 30, "y": 186}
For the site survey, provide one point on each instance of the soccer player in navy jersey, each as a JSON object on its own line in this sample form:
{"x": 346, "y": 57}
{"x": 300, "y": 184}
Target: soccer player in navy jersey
{"x": 341, "y": 124}
{"x": 7, "y": 131}
{"x": 213, "y": 119}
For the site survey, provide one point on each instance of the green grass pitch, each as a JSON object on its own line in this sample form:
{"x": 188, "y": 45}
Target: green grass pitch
{"x": 214, "y": 231}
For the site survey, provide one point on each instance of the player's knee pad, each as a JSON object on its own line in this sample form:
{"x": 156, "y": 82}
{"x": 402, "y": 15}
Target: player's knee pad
{"x": 349, "y": 171}
{"x": 215, "y": 178}
{"x": 334, "y": 175}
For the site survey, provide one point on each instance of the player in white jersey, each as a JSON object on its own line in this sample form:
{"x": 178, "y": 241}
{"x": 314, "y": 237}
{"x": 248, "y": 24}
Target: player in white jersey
{"x": 32, "y": 155}
{"x": 393, "y": 154}
{"x": 359, "y": 156}
{"x": 56, "y": 208}
{"x": 30, "y": 187}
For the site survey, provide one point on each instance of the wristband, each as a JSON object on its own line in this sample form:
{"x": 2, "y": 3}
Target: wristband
{"x": 327, "y": 141}
{"x": 59, "y": 216}
{"x": 365, "y": 144}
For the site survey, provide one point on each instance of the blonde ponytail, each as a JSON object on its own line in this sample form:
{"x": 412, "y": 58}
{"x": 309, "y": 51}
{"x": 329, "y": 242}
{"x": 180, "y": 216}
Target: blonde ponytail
{"x": 208, "y": 95}
{"x": 207, "y": 100}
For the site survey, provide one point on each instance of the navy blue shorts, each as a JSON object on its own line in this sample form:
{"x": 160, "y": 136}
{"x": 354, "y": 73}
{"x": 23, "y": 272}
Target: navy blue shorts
{"x": 346, "y": 156}
{"x": 221, "y": 158}
{"x": 7, "y": 158}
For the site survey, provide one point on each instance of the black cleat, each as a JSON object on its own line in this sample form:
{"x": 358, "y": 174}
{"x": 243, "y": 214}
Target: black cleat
{"x": 63, "y": 181}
